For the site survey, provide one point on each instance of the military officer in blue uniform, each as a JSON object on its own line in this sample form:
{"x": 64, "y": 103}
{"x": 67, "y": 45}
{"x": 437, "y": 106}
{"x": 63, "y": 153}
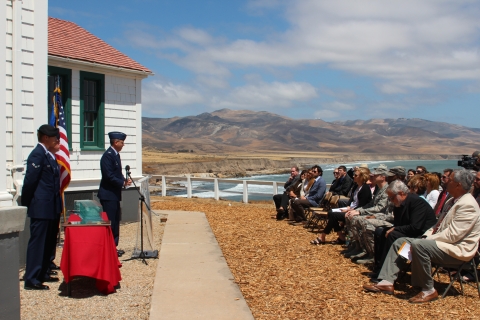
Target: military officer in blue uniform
{"x": 110, "y": 191}
{"x": 41, "y": 195}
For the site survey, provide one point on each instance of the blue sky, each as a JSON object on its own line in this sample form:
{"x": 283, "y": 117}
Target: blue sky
{"x": 334, "y": 60}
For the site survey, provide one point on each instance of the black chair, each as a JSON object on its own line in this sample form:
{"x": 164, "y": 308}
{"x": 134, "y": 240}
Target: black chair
{"x": 455, "y": 274}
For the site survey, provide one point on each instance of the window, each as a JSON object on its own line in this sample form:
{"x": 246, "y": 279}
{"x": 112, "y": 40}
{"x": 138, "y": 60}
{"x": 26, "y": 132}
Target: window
{"x": 64, "y": 79}
{"x": 92, "y": 113}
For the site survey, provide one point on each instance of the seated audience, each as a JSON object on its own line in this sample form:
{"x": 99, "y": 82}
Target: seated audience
{"x": 443, "y": 196}
{"x": 361, "y": 195}
{"x": 476, "y": 188}
{"x": 452, "y": 241}
{"x": 315, "y": 195}
{"x": 399, "y": 173}
{"x": 432, "y": 192}
{"x": 418, "y": 185}
{"x": 342, "y": 184}
{"x": 412, "y": 216}
{"x": 410, "y": 174}
{"x": 281, "y": 200}
{"x": 421, "y": 170}
{"x": 295, "y": 191}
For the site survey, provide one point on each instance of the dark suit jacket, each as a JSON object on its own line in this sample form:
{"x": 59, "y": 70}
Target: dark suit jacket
{"x": 341, "y": 186}
{"x": 291, "y": 183}
{"x": 112, "y": 178}
{"x": 317, "y": 191}
{"x": 413, "y": 217}
{"x": 41, "y": 186}
{"x": 364, "y": 195}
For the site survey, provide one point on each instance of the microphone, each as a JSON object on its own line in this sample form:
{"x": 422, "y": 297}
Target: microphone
{"x": 127, "y": 170}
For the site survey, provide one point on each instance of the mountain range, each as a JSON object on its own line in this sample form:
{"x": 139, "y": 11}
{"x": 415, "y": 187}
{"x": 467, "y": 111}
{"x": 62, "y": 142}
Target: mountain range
{"x": 242, "y": 130}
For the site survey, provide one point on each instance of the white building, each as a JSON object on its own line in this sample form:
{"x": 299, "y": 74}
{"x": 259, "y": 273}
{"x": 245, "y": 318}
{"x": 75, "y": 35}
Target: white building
{"x": 101, "y": 89}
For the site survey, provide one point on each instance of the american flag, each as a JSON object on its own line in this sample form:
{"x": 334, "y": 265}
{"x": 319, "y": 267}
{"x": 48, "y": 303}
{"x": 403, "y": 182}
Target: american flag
{"x": 63, "y": 155}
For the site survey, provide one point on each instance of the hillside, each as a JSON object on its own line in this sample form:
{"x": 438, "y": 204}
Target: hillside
{"x": 249, "y": 131}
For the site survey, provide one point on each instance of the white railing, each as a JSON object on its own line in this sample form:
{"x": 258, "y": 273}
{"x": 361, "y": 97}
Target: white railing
{"x": 188, "y": 180}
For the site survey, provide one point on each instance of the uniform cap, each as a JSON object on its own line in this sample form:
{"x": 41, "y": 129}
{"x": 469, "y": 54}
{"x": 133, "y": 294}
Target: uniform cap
{"x": 117, "y": 135}
{"x": 49, "y": 130}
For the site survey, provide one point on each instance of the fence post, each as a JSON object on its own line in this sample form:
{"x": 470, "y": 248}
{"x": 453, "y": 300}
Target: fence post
{"x": 189, "y": 186}
{"x": 164, "y": 187}
{"x": 275, "y": 187}
{"x": 215, "y": 189}
{"x": 245, "y": 191}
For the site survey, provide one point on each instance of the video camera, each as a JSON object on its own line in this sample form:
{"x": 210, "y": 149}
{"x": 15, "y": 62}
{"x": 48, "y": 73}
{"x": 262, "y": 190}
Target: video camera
{"x": 467, "y": 162}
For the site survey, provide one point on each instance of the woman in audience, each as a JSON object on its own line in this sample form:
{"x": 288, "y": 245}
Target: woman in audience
{"x": 360, "y": 197}
{"x": 410, "y": 174}
{"x": 297, "y": 191}
{"x": 418, "y": 185}
{"x": 432, "y": 188}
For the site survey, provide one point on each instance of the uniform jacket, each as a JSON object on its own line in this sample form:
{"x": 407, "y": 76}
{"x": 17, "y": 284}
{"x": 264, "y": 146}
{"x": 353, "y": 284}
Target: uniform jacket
{"x": 41, "y": 186}
{"x": 377, "y": 204}
{"x": 413, "y": 217}
{"x": 459, "y": 232}
{"x": 112, "y": 177}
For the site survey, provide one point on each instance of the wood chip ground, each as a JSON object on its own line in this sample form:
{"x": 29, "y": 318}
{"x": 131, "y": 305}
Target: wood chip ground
{"x": 279, "y": 273}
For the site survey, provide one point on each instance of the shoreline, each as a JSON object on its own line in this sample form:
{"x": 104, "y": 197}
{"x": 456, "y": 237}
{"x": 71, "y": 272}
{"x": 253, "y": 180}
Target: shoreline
{"x": 239, "y": 166}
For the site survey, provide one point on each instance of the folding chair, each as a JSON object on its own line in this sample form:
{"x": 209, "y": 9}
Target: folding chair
{"x": 320, "y": 215}
{"x": 457, "y": 276}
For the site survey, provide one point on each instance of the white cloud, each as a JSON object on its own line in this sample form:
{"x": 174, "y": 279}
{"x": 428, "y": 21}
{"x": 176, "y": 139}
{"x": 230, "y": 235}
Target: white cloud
{"x": 157, "y": 97}
{"x": 403, "y": 46}
{"x": 262, "y": 96}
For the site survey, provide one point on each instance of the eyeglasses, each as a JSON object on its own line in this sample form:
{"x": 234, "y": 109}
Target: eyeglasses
{"x": 335, "y": 173}
{"x": 419, "y": 171}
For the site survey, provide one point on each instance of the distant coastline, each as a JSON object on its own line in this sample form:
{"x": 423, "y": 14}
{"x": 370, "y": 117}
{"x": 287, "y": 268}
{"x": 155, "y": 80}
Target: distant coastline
{"x": 244, "y": 167}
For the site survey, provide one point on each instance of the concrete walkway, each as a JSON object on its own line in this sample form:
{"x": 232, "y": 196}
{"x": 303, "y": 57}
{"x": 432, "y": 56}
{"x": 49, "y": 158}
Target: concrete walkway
{"x": 193, "y": 280}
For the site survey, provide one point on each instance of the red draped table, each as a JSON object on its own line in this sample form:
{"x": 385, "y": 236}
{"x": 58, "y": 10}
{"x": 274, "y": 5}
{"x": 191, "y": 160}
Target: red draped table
{"x": 89, "y": 250}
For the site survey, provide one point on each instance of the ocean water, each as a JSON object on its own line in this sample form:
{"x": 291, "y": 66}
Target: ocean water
{"x": 233, "y": 192}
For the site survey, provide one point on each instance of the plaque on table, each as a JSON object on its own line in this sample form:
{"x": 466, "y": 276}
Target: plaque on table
{"x": 87, "y": 213}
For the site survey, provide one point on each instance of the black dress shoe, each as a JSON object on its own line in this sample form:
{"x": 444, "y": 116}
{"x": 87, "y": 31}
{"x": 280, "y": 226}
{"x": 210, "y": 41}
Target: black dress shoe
{"x": 121, "y": 251}
{"x": 37, "y": 286}
{"x": 54, "y": 267}
{"x": 119, "y": 254}
{"x": 51, "y": 279}
{"x": 52, "y": 272}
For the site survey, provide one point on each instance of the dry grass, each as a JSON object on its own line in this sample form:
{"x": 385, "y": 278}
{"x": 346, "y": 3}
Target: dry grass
{"x": 131, "y": 301}
{"x": 282, "y": 276}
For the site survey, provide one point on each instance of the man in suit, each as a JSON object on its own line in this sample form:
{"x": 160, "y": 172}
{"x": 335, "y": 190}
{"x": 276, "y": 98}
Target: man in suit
{"x": 342, "y": 184}
{"x": 281, "y": 199}
{"x": 452, "y": 241}
{"x": 443, "y": 196}
{"x": 41, "y": 195}
{"x": 315, "y": 195}
{"x": 110, "y": 191}
{"x": 412, "y": 216}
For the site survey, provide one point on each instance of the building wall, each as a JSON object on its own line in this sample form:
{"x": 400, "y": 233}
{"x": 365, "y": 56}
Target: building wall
{"x": 25, "y": 81}
{"x": 122, "y": 113}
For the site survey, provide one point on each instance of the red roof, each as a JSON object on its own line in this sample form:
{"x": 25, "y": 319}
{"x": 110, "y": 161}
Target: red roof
{"x": 68, "y": 40}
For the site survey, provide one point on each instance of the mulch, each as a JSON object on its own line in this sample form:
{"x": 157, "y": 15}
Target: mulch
{"x": 283, "y": 276}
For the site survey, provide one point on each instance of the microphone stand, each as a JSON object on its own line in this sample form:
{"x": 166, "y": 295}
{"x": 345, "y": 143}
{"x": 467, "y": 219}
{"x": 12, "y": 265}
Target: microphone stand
{"x": 142, "y": 201}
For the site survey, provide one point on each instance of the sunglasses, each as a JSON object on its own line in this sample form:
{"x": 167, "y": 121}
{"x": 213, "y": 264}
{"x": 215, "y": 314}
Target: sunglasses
{"x": 335, "y": 173}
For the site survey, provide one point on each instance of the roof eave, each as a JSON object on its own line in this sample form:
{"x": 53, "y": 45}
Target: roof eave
{"x": 138, "y": 73}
